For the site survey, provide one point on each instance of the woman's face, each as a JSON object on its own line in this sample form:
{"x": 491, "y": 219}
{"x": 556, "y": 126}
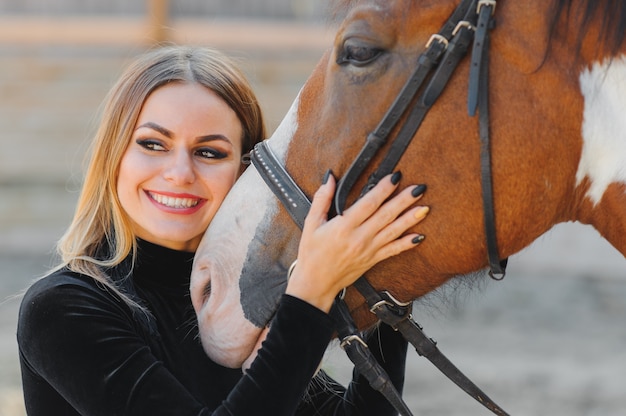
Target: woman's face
{"x": 183, "y": 157}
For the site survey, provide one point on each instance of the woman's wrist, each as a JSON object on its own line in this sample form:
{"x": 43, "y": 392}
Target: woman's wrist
{"x": 307, "y": 289}
{"x": 304, "y": 291}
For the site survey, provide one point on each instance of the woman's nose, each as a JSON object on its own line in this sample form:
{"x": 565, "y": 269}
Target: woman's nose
{"x": 180, "y": 170}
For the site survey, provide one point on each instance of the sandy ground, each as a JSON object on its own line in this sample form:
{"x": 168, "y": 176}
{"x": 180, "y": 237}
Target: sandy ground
{"x": 549, "y": 339}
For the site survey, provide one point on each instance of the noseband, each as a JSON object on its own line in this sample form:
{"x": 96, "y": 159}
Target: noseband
{"x": 470, "y": 22}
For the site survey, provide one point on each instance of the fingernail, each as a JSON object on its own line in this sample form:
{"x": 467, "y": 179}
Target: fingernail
{"x": 418, "y": 239}
{"x": 421, "y": 212}
{"x": 395, "y": 178}
{"x": 418, "y": 190}
{"x": 327, "y": 176}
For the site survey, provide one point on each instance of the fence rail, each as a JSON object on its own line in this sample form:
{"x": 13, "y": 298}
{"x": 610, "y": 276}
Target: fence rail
{"x": 277, "y": 9}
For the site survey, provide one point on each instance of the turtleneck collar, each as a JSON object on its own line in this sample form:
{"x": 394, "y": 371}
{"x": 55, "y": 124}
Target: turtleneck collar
{"x": 161, "y": 266}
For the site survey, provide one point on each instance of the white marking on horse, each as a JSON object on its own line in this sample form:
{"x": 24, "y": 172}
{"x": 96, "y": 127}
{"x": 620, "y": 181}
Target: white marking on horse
{"x": 603, "y": 158}
{"x": 284, "y": 133}
{"x": 227, "y": 336}
{"x": 252, "y": 196}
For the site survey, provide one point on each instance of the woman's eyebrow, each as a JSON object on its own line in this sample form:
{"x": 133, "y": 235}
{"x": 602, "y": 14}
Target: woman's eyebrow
{"x": 213, "y": 137}
{"x": 169, "y": 134}
{"x": 154, "y": 126}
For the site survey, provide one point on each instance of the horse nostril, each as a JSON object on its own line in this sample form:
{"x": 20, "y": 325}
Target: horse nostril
{"x": 206, "y": 293}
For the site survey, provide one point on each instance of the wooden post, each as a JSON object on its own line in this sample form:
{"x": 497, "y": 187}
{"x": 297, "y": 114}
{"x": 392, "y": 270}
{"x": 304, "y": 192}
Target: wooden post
{"x": 158, "y": 17}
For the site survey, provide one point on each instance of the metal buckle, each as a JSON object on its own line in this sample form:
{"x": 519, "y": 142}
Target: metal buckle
{"x": 396, "y": 301}
{"x": 348, "y": 341}
{"x": 462, "y": 23}
{"x": 379, "y": 304}
{"x": 482, "y": 3}
{"x": 437, "y": 37}
{"x": 391, "y": 302}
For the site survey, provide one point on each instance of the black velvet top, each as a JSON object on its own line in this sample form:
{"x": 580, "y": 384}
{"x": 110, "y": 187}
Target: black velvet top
{"x": 85, "y": 352}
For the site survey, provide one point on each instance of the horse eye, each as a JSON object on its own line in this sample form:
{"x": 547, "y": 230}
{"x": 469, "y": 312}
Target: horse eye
{"x": 357, "y": 54}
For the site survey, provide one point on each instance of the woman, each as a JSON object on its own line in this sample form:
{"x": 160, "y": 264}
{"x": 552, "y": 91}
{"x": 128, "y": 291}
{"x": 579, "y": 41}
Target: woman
{"x": 111, "y": 330}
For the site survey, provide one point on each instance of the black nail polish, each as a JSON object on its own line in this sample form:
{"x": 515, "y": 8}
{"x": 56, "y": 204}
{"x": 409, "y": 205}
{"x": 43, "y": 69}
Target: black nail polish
{"x": 418, "y": 190}
{"x": 395, "y": 178}
{"x": 418, "y": 239}
{"x": 327, "y": 176}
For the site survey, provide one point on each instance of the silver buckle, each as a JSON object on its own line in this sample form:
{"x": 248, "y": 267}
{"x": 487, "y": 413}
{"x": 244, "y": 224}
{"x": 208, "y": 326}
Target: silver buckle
{"x": 437, "y": 37}
{"x": 379, "y": 304}
{"x": 393, "y": 302}
{"x": 482, "y": 3}
{"x": 348, "y": 341}
{"x": 462, "y": 23}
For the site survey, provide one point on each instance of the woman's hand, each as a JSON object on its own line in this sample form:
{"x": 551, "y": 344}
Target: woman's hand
{"x": 334, "y": 253}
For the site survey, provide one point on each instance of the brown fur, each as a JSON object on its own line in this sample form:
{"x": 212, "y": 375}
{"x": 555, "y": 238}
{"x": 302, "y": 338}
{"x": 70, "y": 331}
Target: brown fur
{"x": 536, "y": 116}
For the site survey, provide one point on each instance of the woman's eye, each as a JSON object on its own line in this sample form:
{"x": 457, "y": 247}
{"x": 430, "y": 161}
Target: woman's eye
{"x": 358, "y": 54}
{"x": 209, "y": 153}
{"x": 151, "y": 145}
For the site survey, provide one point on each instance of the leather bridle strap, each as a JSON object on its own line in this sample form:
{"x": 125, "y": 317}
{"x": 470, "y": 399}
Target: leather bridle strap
{"x": 386, "y": 308}
{"x": 449, "y": 46}
{"x": 398, "y": 315}
{"x": 478, "y": 96}
{"x": 435, "y": 48}
{"x": 451, "y": 43}
{"x": 376, "y": 139}
{"x": 364, "y": 361}
{"x": 457, "y": 48}
{"x": 297, "y": 204}
{"x": 280, "y": 182}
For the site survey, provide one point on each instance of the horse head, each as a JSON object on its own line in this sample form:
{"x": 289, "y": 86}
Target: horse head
{"x": 558, "y": 152}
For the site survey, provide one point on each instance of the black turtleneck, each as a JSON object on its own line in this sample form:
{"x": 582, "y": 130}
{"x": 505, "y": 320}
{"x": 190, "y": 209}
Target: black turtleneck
{"x": 85, "y": 352}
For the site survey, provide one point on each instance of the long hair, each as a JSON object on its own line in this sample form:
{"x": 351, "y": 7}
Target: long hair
{"x": 99, "y": 224}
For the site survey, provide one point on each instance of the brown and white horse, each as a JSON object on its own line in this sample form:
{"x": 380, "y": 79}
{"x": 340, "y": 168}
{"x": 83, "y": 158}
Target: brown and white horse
{"x": 557, "y": 88}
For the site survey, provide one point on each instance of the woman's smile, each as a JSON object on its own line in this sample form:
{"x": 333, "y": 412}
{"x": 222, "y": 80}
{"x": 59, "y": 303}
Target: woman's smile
{"x": 181, "y": 203}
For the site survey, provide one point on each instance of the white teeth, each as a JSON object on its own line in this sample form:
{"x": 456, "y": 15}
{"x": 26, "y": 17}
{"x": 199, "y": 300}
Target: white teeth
{"x": 174, "y": 202}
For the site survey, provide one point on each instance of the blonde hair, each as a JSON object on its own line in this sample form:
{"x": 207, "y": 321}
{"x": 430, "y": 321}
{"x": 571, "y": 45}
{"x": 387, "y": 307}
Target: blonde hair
{"x": 100, "y": 235}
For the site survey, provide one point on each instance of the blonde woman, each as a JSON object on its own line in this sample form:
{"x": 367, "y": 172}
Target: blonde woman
{"x": 111, "y": 330}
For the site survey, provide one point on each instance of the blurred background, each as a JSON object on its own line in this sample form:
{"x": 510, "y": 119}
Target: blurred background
{"x": 549, "y": 339}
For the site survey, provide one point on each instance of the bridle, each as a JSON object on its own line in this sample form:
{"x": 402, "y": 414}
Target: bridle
{"x": 470, "y": 23}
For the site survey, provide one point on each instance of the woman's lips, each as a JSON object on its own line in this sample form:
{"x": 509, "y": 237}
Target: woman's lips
{"x": 178, "y": 203}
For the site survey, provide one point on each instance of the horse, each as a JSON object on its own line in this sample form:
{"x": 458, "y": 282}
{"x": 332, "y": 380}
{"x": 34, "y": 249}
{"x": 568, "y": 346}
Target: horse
{"x": 557, "y": 145}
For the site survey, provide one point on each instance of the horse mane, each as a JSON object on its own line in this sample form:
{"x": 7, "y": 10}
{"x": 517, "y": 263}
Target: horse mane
{"x": 611, "y": 14}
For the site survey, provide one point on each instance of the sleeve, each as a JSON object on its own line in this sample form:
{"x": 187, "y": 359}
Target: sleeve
{"x": 327, "y": 397}
{"x": 79, "y": 348}
{"x": 286, "y": 363}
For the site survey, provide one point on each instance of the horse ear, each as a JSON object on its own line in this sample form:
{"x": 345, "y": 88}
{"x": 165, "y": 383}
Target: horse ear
{"x": 525, "y": 44}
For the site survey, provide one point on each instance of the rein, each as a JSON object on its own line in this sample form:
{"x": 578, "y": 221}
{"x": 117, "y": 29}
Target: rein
{"x": 471, "y": 21}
